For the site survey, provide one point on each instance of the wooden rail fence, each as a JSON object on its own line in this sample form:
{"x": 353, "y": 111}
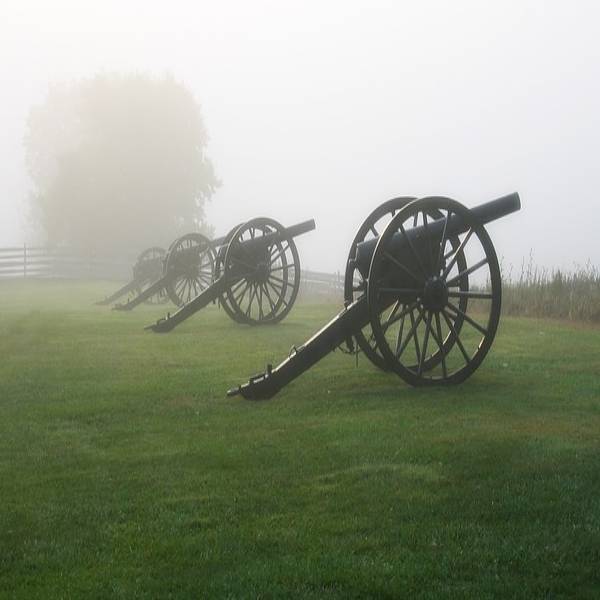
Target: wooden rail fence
{"x": 62, "y": 263}
{"x": 40, "y": 261}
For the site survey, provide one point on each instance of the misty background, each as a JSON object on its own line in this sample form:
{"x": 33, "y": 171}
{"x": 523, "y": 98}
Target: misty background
{"x": 326, "y": 109}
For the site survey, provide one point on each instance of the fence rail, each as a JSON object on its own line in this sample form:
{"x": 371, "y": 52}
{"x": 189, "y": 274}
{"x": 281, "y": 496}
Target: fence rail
{"x": 39, "y": 261}
{"x": 46, "y": 262}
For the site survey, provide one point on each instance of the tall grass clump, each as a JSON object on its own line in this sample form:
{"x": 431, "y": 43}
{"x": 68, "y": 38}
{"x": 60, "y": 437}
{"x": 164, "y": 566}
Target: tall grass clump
{"x": 553, "y": 293}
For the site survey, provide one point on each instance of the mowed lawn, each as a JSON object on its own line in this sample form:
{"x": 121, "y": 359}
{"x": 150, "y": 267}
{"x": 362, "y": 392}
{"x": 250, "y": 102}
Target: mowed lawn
{"x": 125, "y": 472}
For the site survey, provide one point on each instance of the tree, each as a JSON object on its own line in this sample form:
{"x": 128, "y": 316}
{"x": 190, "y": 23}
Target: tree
{"x": 118, "y": 163}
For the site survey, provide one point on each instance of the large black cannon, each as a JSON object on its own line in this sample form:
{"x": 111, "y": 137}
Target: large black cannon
{"x": 185, "y": 270}
{"x": 422, "y": 295}
{"x": 146, "y": 270}
{"x": 257, "y": 275}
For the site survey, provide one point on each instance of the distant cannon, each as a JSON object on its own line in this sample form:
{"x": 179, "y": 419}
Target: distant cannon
{"x": 422, "y": 295}
{"x": 186, "y": 269}
{"x": 146, "y": 270}
{"x": 256, "y": 276}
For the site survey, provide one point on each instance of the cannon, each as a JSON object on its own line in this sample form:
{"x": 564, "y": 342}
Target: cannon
{"x": 186, "y": 269}
{"x": 257, "y": 275}
{"x": 146, "y": 270}
{"x": 422, "y": 295}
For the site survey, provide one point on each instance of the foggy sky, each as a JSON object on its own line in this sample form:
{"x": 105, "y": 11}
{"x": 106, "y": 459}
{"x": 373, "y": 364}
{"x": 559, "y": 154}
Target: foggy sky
{"x": 326, "y": 109}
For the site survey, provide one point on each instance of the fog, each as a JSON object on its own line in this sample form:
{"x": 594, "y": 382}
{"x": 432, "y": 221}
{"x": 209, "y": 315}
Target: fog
{"x": 325, "y": 109}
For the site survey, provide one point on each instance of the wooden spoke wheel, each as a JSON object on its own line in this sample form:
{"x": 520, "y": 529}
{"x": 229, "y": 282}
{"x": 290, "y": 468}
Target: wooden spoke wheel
{"x": 355, "y": 285}
{"x": 267, "y": 277}
{"x": 219, "y": 269}
{"x": 189, "y": 266}
{"x": 434, "y": 306}
{"x": 148, "y": 269}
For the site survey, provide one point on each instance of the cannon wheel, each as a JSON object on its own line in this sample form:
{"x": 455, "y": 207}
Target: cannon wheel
{"x": 355, "y": 285}
{"x": 148, "y": 268}
{"x": 431, "y": 304}
{"x": 219, "y": 267}
{"x": 189, "y": 266}
{"x": 270, "y": 286}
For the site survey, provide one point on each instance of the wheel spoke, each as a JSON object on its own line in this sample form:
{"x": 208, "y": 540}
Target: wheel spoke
{"x": 261, "y": 314}
{"x": 404, "y": 291}
{"x": 279, "y": 279}
{"x": 428, "y": 236}
{"x": 239, "y": 299}
{"x": 236, "y": 286}
{"x": 467, "y": 318}
{"x": 402, "y": 314}
{"x": 441, "y": 344}
{"x": 251, "y": 299}
{"x": 287, "y": 267}
{"x": 425, "y": 340}
{"x": 269, "y": 297}
{"x": 460, "y": 248}
{"x": 277, "y": 285}
{"x": 442, "y": 244}
{"x": 416, "y": 338}
{"x": 400, "y": 332}
{"x": 279, "y": 293}
{"x": 455, "y": 336}
{"x": 281, "y": 253}
{"x": 394, "y": 310}
{"x": 466, "y": 272}
{"x": 414, "y": 324}
{"x": 473, "y": 295}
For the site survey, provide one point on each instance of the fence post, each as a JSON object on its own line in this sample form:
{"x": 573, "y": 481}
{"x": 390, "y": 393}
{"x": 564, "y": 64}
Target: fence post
{"x": 24, "y": 260}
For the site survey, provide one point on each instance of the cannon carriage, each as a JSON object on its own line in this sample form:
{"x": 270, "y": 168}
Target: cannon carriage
{"x": 422, "y": 295}
{"x": 186, "y": 268}
{"x": 256, "y": 275}
{"x": 146, "y": 270}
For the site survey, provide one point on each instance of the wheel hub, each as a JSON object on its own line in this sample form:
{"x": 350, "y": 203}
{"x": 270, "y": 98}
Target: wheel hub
{"x": 435, "y": 294}
{"x": 261, "y": 274}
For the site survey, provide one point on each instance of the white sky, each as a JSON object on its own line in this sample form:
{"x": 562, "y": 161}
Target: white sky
{"x": 325, "y": 109}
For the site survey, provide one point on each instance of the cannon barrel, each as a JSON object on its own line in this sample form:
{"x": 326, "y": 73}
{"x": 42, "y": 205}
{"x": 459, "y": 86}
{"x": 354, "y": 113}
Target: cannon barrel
{"x": 286, "y": 233}
{"x": 228, "y": 279}
{"x": 483, "y": 213}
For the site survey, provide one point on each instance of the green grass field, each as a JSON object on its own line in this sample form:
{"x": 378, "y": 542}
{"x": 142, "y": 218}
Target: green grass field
{"x": 126, "y": 473}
